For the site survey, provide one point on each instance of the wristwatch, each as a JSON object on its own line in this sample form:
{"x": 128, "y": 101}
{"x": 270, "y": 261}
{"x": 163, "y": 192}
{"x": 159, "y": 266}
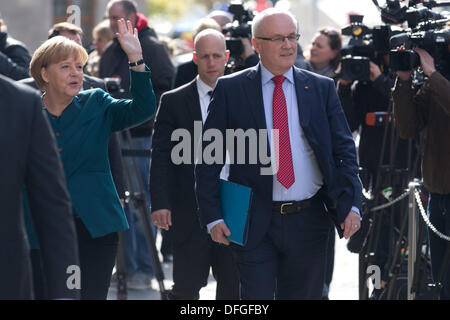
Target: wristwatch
{"x": 137, "y": 63}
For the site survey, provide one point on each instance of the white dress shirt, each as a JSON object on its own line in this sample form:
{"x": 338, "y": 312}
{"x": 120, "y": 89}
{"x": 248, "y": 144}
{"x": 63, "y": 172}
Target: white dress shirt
{"x": 308, "y": 177}
{"x": 205, "y": 98}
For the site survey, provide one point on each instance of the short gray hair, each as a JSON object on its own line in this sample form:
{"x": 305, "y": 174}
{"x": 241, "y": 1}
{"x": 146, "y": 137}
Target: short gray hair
{"x": 256, "y": 23}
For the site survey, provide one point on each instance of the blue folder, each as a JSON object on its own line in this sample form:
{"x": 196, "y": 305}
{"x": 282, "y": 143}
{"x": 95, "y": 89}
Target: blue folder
{"x": 236, "y": 200}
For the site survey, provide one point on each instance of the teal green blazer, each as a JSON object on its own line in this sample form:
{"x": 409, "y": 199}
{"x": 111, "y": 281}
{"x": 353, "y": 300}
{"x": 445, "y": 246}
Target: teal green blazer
{"x": 82, "y": 133}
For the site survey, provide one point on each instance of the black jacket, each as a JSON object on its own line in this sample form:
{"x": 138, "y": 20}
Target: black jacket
{"x": 172, "y": 186}
{"x": 29, "y": 157}
{"x": 114, "y": 63}
{"x": 14, "y": 58}
{"x": 114, "y": 152}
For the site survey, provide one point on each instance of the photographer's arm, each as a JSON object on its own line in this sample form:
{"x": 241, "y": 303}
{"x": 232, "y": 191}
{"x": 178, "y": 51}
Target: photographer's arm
{"x": 344, "y": 90}
{"x": 440, "y": 91}
{"x": 381, "y": 82}
{"x": 249, "y": 55}
{"x": 410, "y": 111}
{"x": 437, "y": 85}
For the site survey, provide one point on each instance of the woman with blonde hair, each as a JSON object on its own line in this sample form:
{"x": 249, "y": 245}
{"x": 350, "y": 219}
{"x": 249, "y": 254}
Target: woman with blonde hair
{"x": 102, "y": 37}
{"x": 82, "y": 123}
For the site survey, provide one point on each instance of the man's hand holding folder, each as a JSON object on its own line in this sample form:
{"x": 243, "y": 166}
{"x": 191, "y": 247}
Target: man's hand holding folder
{"x": 219, "y": 233}
{"x": 235, "y": 201}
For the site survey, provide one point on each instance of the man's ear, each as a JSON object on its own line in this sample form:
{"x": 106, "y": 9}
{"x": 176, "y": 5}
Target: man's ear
{"x": 255, "y": 46}
{"x": 194, "y": 57}
{"x": 227, "y": 53}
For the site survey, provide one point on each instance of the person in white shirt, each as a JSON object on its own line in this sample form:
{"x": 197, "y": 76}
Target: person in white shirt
{"x": 317, "y": 174}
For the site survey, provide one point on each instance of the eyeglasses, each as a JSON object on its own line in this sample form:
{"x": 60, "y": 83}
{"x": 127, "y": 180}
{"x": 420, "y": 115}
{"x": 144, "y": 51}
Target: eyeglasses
{"x": 280, "y": 39}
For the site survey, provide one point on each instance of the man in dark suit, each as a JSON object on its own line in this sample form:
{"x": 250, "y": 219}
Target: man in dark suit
{"x": 314, "y": 158}
{"x": 29, "y": 157}
{"x": 174, "y": 206}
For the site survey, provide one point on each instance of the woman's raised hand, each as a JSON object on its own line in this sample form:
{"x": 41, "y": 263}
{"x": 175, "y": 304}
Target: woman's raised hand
{"x": 129, "y": 41}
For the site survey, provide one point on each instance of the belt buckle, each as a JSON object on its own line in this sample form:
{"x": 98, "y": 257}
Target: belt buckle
{"x": 285, "y": 204}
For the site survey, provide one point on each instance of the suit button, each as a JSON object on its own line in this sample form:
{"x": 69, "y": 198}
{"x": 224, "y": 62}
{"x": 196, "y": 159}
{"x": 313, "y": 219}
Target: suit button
{"x": 58, "y": 134}
{"x": 60, "y": 149}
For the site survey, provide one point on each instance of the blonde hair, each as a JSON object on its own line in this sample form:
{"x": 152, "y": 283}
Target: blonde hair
{"x": 53, "y": 51}
{"x": 103, "y": 30}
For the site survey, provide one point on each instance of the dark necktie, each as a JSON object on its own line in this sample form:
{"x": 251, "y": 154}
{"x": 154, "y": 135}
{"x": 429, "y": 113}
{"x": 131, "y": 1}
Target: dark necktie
{"x": 210, "y": 97}
{"x": 285, "y": 173}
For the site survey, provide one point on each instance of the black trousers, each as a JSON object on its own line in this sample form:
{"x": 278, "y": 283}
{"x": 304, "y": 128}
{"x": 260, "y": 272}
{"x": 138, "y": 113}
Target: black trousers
{"x": 97, "y": 259}
{"x": 192, "y": 260}
{"x": 289, "y": 263}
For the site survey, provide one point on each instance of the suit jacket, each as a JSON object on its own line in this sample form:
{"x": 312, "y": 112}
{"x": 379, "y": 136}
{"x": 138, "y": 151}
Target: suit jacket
{"x": 238, "y": 104}
{"x": 82, "y": 134}
{"x": 29, "y": 158}
{"x": 172, "y": 186}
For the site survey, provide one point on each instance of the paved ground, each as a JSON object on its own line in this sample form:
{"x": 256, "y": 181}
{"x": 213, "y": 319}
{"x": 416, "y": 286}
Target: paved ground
{"x": 343, "y": 287}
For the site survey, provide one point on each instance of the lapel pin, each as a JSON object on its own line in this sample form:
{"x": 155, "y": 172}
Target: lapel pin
{"x": 306, "y": 87}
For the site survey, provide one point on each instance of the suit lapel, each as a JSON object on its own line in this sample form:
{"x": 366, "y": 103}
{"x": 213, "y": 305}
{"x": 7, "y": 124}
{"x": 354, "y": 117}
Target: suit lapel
{"x": 255, "y": 98}
{"x": 305, "y": 98}
{"x": 193, "y": 101}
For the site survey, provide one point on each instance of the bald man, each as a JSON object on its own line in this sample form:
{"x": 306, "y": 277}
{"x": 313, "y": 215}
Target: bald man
{"x": 174, "y": 206}
{"x": 315, "y": 161}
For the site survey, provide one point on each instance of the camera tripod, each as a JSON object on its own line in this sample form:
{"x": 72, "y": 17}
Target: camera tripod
{"x": 391, "y": 222}
{"x": 135, "y": 195}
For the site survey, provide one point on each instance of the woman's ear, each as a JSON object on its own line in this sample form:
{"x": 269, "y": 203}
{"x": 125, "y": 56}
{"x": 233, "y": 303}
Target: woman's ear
{"x": 44, "y": 74}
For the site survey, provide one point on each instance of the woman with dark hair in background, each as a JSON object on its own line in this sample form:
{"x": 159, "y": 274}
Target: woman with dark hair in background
{"x": 82, "y": 123}
{"x": 325, "y": 53}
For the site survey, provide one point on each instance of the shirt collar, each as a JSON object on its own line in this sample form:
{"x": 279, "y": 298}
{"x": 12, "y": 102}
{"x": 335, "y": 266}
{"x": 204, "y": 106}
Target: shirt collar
{"x": 202, "y": 87}
{"x": 267, "y": 76}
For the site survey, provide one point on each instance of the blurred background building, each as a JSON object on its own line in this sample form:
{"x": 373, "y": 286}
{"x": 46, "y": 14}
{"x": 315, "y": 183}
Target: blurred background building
{"x": 30, "y": 20}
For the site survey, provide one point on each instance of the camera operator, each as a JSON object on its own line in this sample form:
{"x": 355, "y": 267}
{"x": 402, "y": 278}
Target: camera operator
{"x": 238, "y": 34}
{"x": 14, "y": 56}
{"x": 429, "y": 108}
{"x": 377, "y": 143}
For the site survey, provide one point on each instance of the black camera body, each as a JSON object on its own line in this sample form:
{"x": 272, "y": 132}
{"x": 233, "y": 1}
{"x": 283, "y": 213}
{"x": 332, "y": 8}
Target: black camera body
{"x": 364, "y": 46}
{"x": 434, "y": 42}
{"x": 239, "y": 28}
{"x": 423, "y": 31}
{"x": 113, "y": 87}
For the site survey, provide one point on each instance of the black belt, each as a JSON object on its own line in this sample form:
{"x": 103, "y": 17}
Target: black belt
{"x": 286, "y": 207}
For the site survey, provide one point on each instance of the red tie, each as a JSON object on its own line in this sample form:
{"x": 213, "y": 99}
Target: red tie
{"x": 285, "y": 173}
